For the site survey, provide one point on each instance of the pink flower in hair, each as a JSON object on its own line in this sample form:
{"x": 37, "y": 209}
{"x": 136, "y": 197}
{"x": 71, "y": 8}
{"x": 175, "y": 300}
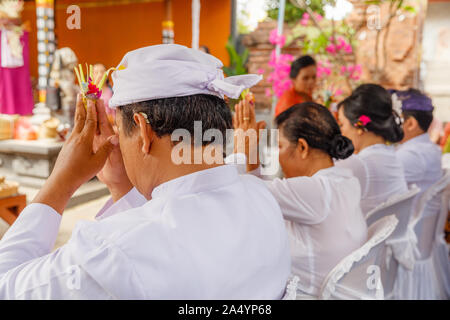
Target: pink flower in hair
{"x": 364, "y": 120}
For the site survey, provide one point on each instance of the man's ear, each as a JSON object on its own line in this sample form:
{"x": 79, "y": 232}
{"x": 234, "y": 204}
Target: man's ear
{"x": 145, "y": 132}
{"x": 302, "y": 148}
{"x": 410, "y": 124}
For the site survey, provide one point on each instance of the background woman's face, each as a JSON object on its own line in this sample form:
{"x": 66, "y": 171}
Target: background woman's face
{"x": 306, "y": 80}
{"x": 348, "y": 130}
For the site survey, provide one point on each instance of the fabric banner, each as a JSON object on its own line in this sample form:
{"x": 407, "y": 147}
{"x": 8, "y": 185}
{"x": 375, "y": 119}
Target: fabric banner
{"x": 16, "y": 95}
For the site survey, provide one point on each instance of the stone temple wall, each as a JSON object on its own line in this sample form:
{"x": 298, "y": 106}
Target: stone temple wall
{"x": 401, "y": 68}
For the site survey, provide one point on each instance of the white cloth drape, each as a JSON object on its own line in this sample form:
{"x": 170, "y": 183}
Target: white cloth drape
{"x": 10, "y": 60}
{"x": 195, "y": 24}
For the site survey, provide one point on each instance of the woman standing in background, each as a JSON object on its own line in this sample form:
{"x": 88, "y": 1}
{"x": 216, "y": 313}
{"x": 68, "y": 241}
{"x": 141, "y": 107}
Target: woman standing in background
{"x": 303, "y": 76}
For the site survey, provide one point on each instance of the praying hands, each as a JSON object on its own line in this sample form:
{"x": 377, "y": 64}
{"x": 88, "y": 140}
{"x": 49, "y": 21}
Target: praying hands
{"x": 82, "y": 157}
{"x": 246, "y": 136}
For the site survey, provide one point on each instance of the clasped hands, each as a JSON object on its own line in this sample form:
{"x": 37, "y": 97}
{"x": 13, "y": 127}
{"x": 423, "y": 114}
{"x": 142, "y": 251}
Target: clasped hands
{"x": 92, "y": 149}
{"x": 246, "y": 132}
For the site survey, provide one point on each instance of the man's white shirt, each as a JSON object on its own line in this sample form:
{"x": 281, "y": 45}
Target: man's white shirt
{"x": 212, "y": 234}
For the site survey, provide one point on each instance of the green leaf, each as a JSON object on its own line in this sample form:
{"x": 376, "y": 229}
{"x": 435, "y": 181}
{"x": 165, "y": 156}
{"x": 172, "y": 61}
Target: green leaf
{"x": 409, "y": 9}
{"x": 378, "y": 2}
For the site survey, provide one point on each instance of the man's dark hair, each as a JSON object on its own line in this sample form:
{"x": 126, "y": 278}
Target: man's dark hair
{"x": 299, "y": 64}
{"x": 424, "y": 118}
{"x": 168, "y": 114}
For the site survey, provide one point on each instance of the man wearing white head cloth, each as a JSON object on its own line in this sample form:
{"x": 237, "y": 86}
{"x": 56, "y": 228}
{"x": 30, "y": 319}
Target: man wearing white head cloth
{"x": 169, "y": 231}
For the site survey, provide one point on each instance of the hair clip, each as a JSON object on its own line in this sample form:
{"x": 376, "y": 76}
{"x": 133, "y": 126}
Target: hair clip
{"x": 362, "y": 122}
{"x": 145, "y": 116}
{"x": 397, "y": 104}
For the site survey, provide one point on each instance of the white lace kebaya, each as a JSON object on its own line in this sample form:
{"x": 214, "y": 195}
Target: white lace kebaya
{"x": 323, "y": 218}
{"x": 379, "y": 172}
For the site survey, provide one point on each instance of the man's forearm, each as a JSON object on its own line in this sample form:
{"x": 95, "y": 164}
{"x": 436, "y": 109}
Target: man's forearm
{"x": 55, "y": 194}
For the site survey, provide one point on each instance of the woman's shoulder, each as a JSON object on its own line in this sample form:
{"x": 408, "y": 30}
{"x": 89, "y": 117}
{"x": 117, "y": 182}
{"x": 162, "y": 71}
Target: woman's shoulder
{"x": 289, "y": 98}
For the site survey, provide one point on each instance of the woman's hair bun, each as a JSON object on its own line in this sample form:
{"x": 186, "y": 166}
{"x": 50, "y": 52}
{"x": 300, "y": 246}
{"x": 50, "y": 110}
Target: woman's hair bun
{"x": 341, "y": 147}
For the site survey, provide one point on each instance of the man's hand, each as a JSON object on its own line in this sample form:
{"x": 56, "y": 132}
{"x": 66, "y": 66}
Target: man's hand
{"x": 246, "y": 137}
{"x": 113, "y": 173}
{"x": 77, "y": 162}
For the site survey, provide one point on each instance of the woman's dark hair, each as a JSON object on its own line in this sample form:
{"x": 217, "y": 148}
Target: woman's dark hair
{"x": 314, "y": 123}
{"x": 206, "y": 49}
{"x": 168, "y": 114}
{"x": 299, "y": 64}
{"x": 424, "y": 118}
{"x": 375, "y": 102}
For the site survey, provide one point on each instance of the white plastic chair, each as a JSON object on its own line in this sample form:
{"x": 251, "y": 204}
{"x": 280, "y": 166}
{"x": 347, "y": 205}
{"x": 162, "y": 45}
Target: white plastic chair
{"x": 360, "y": 275}
{"x": 402, "y": 243}
{"x": 400, "y": 205}
{"x": 291, "y": 289}
{"x": 430, "y": 277}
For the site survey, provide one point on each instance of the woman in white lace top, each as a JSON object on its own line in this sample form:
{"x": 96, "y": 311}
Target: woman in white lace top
{"x": 319, "y": 202}
{"x": 367, "y": 118}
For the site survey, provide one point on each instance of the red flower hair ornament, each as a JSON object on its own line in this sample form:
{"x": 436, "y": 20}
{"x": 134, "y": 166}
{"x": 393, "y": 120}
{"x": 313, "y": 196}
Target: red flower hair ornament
{"x": 362, "y": 122}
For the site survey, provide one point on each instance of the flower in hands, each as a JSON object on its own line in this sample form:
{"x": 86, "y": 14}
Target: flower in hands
{"x": 89, "y": 88}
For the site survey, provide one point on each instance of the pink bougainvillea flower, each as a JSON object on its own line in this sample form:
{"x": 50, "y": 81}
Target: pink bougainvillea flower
{"x": 279, "y": 76}
{"x": 276, "y": 39}
{"x": 348, "y": 48}
{"x": 305, "y": 19}
{"x": 261, "y": 71}
{"x": 318, "y": 17}
{"x": 331, "y": 49}
{"x": 356, "y": 72}
{"x": 268, "y": 92}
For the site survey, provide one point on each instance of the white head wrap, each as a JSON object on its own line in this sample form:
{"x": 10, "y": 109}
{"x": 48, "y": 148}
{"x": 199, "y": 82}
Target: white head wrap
{"x": 171, "y": 70}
